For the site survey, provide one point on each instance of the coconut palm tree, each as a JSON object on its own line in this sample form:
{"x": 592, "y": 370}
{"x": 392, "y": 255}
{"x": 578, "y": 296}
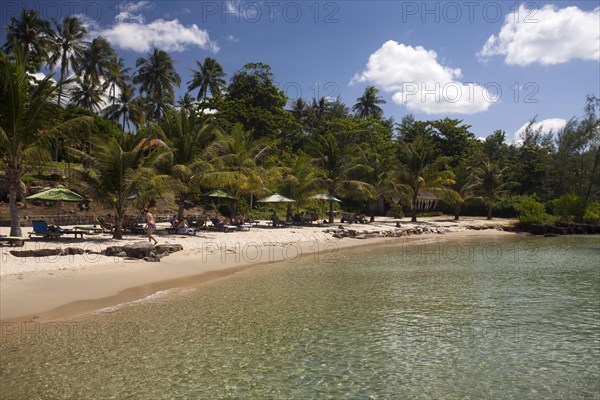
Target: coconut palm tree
{"x": 237, "y": 160}
{"x": 186, "y": 102}
{"x": 208, "y": 77}
{"x": 122, "y": 168}
{"x": 490, "y": 183}
{"x": 380, "y": 174}
{"x": 87, "y": 95}
{"x": 300, "y": 109}
{"x": 33, "y": 34}
{"x": 116, "y": 77}
{"x": 96, "y": 62}
{"x": 28, "y": 123}
{"x": 462, "y": 188}
{"x": 334, "y": 164}
{"x": 421, "y": 169}
{"x": 156, "y": 76}
{"x": 187, "y": 137}
{"x": 68, "y": 47}
{"x": 126, "y": 107}
{"x": 367, "y": 104}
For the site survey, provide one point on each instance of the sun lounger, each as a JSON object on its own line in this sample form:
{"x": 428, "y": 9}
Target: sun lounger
{"x": 41, "y": 228}
{"x": 13, "y": 240}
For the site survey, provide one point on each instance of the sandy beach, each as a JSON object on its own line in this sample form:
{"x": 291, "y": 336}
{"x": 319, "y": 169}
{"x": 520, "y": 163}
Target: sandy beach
{"x": 46, "y": 288}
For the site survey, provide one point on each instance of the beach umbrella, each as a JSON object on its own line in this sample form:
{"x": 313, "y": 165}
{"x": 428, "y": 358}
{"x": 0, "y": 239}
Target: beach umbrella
{"x": 275, "y": 198}
{"x": 218, "y": 194}
{"x": 325, "y": 197}
{"x": 58, "y": 194}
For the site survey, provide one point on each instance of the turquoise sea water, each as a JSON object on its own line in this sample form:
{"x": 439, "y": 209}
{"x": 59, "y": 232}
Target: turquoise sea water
{"x": 516, "y": 318}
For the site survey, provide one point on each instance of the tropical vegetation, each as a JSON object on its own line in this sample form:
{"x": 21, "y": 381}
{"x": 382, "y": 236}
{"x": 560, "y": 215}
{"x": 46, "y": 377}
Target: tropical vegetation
{"x": 137, "y": 143}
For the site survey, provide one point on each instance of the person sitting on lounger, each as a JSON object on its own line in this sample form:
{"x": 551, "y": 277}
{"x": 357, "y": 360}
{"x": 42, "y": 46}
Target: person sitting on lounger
{"x": 180, "y": 224}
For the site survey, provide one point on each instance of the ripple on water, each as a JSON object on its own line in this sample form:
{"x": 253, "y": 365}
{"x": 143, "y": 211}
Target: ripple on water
{"x": 376, "y": 325}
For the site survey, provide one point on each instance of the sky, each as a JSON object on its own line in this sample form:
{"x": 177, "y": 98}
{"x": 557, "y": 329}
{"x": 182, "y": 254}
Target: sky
{"x": 492, "y": 64}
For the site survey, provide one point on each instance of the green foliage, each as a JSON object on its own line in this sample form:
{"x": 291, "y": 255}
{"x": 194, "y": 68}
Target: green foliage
{"x": 592, "y": 213}
{"x": 395, "y": 211}
{"x": 530, "y": 210}
{"x": 568, "y": 208}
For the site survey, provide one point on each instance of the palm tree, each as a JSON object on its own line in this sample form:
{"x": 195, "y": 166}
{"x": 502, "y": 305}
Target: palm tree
{"x": 422, "y": 170}
{"x": 156, "y": 76}
{"x": 28, "y": 121}
{"x": 462, "y": 188}
{"x": 69, "y": 47}
{"x": 96, "y": 62}
{"x": 379, "y": 172}
{"x": 121, "y": 170}
{"x": 125, "y": 108}
{"x": 186, "y": 102}
{"x": 116, "y": 77}
{"x": 33, "y": 34}
{"x": 490, "y": 184}
{"x": 188, "y": 137}
{"x": 87, "y": 95}
{"x": 334, "y": 162}
{"x": 236, "y": 159}
{"x": 208, "y": 77}
{"x": 300, "y": 109}
{"x": 367, "y": 104}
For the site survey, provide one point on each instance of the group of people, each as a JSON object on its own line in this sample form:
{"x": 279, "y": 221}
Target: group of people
{"x": 302, "y": 218}
{"x": 355, "y": 218}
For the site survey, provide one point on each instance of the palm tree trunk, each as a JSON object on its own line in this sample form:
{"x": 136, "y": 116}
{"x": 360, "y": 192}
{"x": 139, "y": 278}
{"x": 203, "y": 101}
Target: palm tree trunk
{"x": 414, "y": 207}
{"x": 457, "y": 212}
{"x": 180, "y": 210}
{"x": 118, "y": 232}
{"x": 489, "y": 216}
{"x": 331, "y": 212}
{"x": 14, "y": 185}
{"x": 288, "y": 213}
{"x": 234, "y": 205}
{"x": 372, "y": 205}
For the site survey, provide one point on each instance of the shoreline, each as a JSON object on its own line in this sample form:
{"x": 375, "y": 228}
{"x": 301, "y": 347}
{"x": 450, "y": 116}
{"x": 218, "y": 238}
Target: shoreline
{"x": 45, "y": 296}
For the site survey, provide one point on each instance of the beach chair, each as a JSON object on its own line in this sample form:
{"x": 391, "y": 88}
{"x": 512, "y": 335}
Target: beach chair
{"x": 40, "y": 228}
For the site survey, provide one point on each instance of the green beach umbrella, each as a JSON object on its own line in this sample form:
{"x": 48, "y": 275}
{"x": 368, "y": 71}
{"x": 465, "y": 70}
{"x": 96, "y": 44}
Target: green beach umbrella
{"x": 324, "y": 197}
{"x": 219, "y": 194}
{"x": 58, "y": 194}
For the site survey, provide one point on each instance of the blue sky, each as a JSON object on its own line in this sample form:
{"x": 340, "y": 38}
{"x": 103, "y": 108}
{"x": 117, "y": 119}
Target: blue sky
{"x": 495, "y": 65}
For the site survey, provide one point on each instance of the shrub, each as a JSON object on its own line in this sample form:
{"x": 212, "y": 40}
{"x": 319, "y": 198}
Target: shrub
{"x": 568, "y": 208}
{"x": 395, "y": 211}
{"x": 530, "y": 211}
{"x": 592, "y": 212}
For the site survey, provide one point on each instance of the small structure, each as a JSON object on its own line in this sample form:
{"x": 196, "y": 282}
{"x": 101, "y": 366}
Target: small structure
{"x": 427, "y": 201}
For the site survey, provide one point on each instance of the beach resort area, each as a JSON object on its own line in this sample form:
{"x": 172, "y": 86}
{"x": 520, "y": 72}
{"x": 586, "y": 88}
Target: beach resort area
{"x": 299, "y": 200}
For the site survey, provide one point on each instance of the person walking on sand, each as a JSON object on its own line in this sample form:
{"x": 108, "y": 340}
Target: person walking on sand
{"x": 150, "y": 225}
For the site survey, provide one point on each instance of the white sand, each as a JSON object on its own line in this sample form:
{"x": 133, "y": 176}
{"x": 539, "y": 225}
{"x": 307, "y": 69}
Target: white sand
{"x": 55, "y": 287}
{"x": 244, "y": 244}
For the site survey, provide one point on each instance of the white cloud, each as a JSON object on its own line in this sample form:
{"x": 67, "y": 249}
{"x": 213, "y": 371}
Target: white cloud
{"x": 546, "y": 125}
{"x": 233, "y": 39}
{"x": 130, "y": 12}
{"x": 419, "y": 81}
{"x": 131, "y": 32}
{"x": 547, "y": 35}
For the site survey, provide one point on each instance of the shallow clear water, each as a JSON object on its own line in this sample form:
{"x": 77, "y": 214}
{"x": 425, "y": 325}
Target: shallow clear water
{"x": 512, "y": 319}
